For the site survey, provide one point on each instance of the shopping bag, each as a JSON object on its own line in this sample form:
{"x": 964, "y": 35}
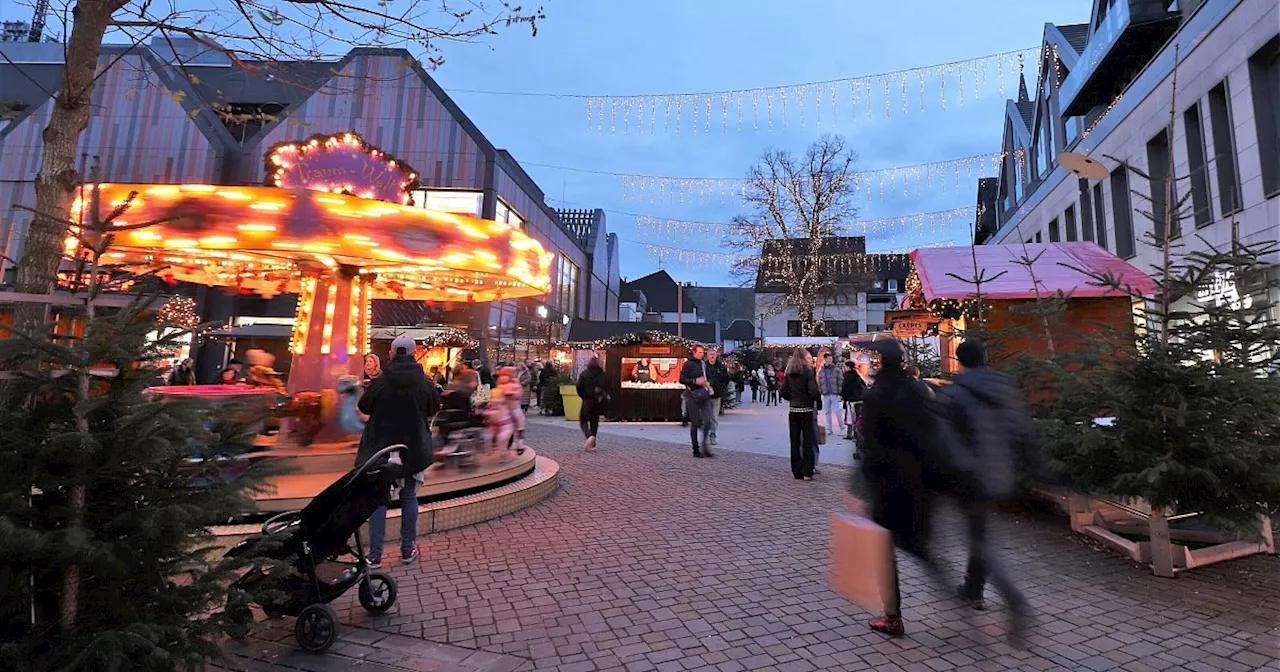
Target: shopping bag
{"x": 860, "y": 557}
{"x": 822, "y": 435}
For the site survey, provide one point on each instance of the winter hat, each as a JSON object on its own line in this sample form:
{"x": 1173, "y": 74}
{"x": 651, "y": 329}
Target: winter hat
{"x": 972, "y": 353}
{"x": 403, "y": 342}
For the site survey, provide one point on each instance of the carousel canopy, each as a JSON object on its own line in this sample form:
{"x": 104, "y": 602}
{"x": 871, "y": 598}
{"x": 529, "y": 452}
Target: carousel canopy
{"x": 260, "y": 238}
{"x": 1060, "y": 266}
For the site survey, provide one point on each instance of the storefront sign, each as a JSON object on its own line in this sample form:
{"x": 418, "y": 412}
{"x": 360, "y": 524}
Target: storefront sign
{"x": 342, "y": 164}
{"x": 909, "y": 328}
{"x": 654, "y": 350}
{"x": 892, "y": 317}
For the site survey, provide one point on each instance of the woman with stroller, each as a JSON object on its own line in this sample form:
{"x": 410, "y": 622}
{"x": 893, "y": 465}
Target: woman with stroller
{"x": 593, "y": 388}
{"x": 399, "y": 404}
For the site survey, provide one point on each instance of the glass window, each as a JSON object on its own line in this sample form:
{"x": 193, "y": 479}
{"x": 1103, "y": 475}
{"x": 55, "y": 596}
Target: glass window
{"x": 1264, "y": 77}
{"x": 1122, "y": 210}
{"x": 566, "y": 286}
{"x": 1086, "y": 212}
{"x": 1039, "y": 238}
{"x": 1100, "y": 214}
{"x": 893, "y": 285}
{"x": 1199, "y": 165}
{"x": 1069, "y": 221}
{"x": 1164, "y": 196}
{"x": 503, "y": 213}
{"x": 458, "y": 202}
{"x": 1053, "y": 231}
{"x": 1224, "y": 149}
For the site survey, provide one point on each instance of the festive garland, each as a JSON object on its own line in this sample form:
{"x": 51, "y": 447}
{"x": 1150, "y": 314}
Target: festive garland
{"x": 633, "y": 339}
{"x": 276, "y": 168}
{"x": 945, "y": 309}
{"x": 450, "y": 338}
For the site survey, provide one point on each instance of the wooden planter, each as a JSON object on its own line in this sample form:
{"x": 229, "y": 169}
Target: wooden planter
{"x": 1166, "y": 550}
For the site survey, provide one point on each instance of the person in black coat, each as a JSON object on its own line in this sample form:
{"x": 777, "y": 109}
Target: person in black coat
{"x": 184, "y": 373}
{"x": 593, "y": 388}
{"x": 800, "y": 389}
{"x": 851, "y": 389}
{"x": 400, "y": 404}
{"x": 904, "y": 458}
{"x": 697, "y": 399}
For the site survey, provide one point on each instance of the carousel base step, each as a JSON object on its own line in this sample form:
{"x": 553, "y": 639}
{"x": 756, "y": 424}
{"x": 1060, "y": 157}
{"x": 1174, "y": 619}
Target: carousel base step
{"x": 292, "y": 491}
{"x": 449, "y": 512}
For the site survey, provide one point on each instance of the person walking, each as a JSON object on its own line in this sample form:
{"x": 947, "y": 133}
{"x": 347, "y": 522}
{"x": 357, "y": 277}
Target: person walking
{"x": 771, "y": 386}
{"x": 830, "y": 380}
{"x": 697, "y": 399}
{"x": 851, "y": 389}
{"x": 718, "y": 376}
{"x": 993, "y": 434}
{"x": 184, "y": 373}
{"x": 903, "y": 460}
{"x": 593, "y": 388}
{"x": 525, "y": 378}
{"x": 399, "y": 404}
{"x": 800, "y": 389}
{"x": 753, "y": 381}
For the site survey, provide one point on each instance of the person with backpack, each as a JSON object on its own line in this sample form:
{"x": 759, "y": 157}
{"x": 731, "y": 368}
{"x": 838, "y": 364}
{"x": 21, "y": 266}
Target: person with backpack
{"x": 399, "y": 404}
{"x": 993, "y": 434}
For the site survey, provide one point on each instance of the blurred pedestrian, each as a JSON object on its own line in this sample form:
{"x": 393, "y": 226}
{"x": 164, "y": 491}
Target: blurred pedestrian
{"x": 593, "y": 388}
{"x": 184, "y": 373}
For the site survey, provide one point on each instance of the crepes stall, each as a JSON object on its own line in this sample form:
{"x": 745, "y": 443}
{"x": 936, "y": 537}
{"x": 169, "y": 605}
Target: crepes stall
{"x": 643, "y": 368}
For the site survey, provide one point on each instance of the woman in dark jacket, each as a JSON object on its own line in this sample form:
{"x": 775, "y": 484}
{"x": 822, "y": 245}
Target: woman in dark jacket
{"x": 800, "y": 389}
{"x": 851, "y": 390}
{"x": 593, "y": 388}
{"x": 399, "y": 403}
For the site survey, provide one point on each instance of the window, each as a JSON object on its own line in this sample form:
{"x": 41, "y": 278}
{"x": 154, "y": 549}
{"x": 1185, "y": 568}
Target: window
{"x": 457, "y": 202}
{"x": 1224, "y": 149}
{"x": 1123, "y": 213}
{"x": 1199, "y": 165}
{"x": 1086, "y": 212}
{"x": 893, "y": 285}
{"x": 1069, "y": 217}
{"x": 1164, "y": 195}
{"x": 1264, "y": 76}
{"x": 503, "y": 213}
{"x": 1038, "y": 238}
{"x": 1100, "y": 214}
{"x": 1053, "y": 231}
{"x": 833, "y": 327}
{"x": 566, "y": 286}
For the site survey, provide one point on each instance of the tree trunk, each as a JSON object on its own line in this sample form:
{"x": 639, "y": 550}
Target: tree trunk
{"x": 58, "y": 179}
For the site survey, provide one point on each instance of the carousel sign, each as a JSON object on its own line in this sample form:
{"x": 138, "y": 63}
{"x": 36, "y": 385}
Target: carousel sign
{"x": 342, "y": 164}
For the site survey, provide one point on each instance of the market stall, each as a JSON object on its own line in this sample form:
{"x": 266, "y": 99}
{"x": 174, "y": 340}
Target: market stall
{"x": 644, "y": 373}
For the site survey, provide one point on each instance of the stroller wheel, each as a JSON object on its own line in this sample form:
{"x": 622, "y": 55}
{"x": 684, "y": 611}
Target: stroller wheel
{"x": 317, "y": 628}
{"x": 377, "y": 593}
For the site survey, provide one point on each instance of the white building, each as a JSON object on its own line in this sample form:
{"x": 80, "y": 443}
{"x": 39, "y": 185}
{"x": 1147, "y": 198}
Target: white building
{"x": 1104, "y": 89}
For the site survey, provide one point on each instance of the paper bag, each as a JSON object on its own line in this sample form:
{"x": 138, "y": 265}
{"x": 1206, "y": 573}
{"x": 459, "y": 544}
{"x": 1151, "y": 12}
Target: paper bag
{"x": 860, "y": 557}
{"x": 822, "y": 435}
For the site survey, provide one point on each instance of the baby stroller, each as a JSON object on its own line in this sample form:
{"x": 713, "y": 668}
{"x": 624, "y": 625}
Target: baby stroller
{"x": 459, "y": 428}
{"x": 284, "y": 579}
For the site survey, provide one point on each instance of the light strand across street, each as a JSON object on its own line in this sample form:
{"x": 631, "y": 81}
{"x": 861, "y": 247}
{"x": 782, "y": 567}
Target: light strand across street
{"x": 661, "y": 229}
{"x": 870, "y": 261}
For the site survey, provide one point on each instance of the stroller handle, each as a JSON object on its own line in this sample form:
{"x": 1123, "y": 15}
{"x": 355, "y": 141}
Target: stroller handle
{"x": 376, "y": 456}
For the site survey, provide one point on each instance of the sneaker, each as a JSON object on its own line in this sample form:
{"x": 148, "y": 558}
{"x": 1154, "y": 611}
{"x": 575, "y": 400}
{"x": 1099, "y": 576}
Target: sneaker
{"x": 411, "y": 558}
{"x": 591, "y": 443}
{"x": 375, "y": 563}
{"x": 888, "y": 625}
{"x": 976, "y": 603}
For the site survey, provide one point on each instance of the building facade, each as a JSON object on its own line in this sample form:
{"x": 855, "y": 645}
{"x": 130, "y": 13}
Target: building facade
{"x": 1106, "y": 90}
{"x": 210, "y": 122}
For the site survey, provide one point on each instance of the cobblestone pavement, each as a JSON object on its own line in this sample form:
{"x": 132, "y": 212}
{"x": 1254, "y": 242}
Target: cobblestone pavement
{"x": 650, "y": 560}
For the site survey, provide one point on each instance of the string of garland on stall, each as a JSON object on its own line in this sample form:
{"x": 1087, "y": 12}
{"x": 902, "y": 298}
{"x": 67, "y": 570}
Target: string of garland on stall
{"x": 632, "y": 339}
{"x": 450, "y": 338}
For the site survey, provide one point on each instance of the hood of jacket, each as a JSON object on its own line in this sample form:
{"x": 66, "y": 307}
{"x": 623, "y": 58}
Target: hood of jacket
{"x": 987, "y": 386}
{"x": 403, "y": 372}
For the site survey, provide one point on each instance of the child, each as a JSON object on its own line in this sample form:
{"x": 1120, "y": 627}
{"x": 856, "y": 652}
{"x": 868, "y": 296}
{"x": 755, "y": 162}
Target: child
{"x": 513, "y": 394}
{"x": 503, "y": 415}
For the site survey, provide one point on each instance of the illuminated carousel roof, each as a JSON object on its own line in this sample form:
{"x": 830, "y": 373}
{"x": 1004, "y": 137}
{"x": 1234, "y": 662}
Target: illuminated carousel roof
{"x": 263, "y": 238}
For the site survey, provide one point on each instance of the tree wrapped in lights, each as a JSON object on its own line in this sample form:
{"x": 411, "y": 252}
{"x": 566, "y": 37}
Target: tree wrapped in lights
{"x": 798, "y": 206}
{"x": 178, "y": 312}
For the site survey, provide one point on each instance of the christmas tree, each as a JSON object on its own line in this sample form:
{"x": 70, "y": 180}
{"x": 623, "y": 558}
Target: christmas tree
{"x": 107, "y": 493}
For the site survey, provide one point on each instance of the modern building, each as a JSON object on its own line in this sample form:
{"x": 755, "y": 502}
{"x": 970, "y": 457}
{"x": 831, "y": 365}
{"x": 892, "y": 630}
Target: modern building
{"x": 862, "y": 287}
{"x": 1106, "y": 90}
{"x": 211, "y": 122}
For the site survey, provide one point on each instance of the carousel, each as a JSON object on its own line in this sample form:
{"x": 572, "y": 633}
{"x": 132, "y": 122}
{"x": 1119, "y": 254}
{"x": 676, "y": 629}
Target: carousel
{"x": 337, "y": 227}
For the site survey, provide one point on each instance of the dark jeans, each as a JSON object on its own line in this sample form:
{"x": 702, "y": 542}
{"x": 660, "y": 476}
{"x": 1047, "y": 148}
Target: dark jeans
{"x": 802, "y": 442}
{"x": 893, "y": 601}
{"x": 590, "y": 425}
{"x": 984, "y": 564}
{"x": 699, "y": 416}
{"x": 408, "y": 522}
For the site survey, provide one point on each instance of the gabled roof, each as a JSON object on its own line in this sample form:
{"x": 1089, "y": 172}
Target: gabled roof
{"x": 739, "y": 330}
{"x": 659, "y": 290}
{"x": 1060, "y": 266}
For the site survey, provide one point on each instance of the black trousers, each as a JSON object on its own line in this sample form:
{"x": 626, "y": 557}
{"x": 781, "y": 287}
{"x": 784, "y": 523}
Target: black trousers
{"x": 589, "y": 424}
{"x": 699, "y": 416}
{"x": 802, "y": 443}
{"x": 984, "y": 564}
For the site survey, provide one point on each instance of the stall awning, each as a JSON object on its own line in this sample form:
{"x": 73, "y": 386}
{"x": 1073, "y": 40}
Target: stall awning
{"x": 944, "y": 271}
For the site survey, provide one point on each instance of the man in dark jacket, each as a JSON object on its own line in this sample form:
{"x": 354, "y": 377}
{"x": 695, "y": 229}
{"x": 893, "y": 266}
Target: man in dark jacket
{"x": 718, "y": 376}
{"x": 851, "y": 389}
{"x": 903, "y": 459}
{"x": 399, "y": 403}
{"x": 697, "y": 399}
{"x": 993, "y": 433}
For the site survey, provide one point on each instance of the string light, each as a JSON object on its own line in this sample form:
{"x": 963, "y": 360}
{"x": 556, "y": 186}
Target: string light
{"x": 935, "y": 176}
{"x": 661, "y": 229}
{"x": 302, "y": 319}
{"x": 794, "y": 100}
{"x": 180, "y": 311}
{"x": 839, "y": 262}
{"x": 632, "y": 339}
{"x": 394, "y": 183}
{"x": 450, "y": 338}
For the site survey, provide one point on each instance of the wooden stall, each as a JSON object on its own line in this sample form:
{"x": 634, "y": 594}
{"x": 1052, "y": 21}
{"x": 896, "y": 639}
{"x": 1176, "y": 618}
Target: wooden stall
{"x": 643, "y": 369}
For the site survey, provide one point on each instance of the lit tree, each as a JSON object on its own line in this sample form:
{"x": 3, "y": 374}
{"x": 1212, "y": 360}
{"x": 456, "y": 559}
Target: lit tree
{"x": 799, "y": 204}
{"x": 248, "y": 33}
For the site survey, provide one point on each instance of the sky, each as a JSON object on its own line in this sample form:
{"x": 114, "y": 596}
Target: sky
{"x": 620, "y": 47}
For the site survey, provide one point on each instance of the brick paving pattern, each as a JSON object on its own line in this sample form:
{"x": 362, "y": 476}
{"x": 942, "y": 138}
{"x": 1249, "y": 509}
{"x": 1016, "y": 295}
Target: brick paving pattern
{"x": 650, "y": 560}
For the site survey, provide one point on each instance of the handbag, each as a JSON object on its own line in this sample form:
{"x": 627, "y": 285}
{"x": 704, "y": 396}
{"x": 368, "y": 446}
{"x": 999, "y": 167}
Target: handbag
{"x": 699, "y": 395}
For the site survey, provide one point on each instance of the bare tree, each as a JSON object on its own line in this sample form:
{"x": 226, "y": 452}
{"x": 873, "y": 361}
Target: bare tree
{"x": 800, "y": 206}
{"x": 250, "y": 34}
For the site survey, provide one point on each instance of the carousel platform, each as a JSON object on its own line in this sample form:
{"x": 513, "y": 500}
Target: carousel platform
{"x": 448, "y": 498}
